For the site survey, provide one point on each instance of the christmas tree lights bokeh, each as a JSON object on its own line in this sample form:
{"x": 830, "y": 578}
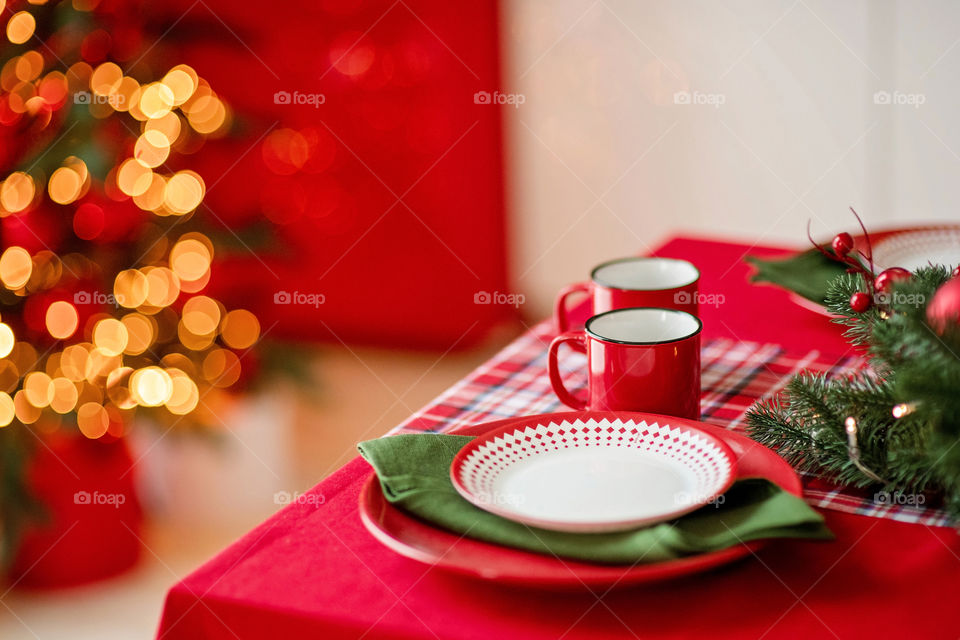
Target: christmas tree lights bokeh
{"x": 102, "y": 309}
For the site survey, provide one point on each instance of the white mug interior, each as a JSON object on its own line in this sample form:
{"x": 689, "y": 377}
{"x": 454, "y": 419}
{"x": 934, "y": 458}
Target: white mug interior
{"x": 645, "y": 274}
{"x": 643, "y": 325}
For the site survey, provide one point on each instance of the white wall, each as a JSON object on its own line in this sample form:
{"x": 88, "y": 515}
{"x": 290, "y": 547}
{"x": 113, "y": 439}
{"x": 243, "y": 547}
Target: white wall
{"x": 603, "y": 163}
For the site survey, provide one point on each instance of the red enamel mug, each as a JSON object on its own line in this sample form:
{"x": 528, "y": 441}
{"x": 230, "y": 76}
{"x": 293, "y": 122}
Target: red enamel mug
{"x": 638, "y": 360}
{"x": 666, "y": 283}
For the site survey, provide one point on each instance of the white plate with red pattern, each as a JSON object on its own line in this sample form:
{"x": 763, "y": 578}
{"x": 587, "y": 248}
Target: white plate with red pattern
{"x": 593, "y": 475}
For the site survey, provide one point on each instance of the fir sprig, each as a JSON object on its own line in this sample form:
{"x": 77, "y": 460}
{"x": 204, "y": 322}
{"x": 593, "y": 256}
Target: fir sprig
{"x": 913, "y": 369}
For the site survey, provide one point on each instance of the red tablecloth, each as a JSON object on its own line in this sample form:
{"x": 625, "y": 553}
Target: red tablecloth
{"x": 314, "y": 571}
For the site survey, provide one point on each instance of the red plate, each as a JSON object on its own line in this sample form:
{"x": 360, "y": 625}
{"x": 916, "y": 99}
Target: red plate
{"x": 423, "y": 542}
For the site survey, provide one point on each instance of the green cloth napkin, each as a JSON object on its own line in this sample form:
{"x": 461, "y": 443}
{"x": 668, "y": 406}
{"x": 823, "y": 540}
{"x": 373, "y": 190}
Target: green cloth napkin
{"x": 807, "y": 273}
{"x": 414, "y": 471}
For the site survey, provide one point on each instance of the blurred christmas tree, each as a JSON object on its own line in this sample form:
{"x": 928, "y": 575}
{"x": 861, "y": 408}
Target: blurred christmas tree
{"x": 105, "y": 256}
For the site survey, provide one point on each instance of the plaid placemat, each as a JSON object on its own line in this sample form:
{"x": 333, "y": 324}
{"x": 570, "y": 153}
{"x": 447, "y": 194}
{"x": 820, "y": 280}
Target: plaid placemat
{"x": 734, "y": 376}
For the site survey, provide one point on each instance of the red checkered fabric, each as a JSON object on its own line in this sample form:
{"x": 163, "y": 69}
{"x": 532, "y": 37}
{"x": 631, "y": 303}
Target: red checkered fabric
{"x": 734, "y": 376}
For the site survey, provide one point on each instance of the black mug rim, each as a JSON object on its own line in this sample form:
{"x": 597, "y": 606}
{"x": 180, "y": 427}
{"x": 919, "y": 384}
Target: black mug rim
{"x": 597, "y": 336}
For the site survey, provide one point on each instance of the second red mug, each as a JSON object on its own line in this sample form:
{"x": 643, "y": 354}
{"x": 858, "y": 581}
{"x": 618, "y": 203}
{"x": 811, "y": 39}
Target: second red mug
{"x": 635, "y": 282}
{"x": 638, "y": 360}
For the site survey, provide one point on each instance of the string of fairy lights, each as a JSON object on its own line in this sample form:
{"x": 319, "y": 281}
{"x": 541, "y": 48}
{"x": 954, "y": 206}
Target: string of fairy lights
{"x": 154, "y": 340}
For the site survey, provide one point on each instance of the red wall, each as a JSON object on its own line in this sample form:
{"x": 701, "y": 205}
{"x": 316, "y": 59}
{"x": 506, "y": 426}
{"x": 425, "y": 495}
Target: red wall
{"x": 397, "y": 81}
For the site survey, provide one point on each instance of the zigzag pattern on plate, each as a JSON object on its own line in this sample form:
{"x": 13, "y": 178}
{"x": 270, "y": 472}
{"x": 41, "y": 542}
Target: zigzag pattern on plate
{"x": 700, "y": 455}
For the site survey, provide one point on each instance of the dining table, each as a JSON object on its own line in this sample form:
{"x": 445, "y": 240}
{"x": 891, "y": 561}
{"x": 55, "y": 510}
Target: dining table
{"x": 313, "y": 570}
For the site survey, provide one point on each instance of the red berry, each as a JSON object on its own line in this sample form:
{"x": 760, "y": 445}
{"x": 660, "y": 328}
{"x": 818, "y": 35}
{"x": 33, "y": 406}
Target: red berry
{"x": 842, "y": 244}
{"x": 956, "y": 272}
{"x": 860, "y": 301}
{"x": 887, "y": 277}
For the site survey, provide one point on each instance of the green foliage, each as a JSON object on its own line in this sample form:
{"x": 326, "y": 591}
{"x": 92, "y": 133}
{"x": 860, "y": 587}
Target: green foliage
{"x": 911, "y": 364}
{"x": 807, "y": 274}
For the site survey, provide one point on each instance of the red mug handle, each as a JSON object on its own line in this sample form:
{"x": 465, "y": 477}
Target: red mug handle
{"x": 577, "y": 341}
{"x": 561, "y": 321}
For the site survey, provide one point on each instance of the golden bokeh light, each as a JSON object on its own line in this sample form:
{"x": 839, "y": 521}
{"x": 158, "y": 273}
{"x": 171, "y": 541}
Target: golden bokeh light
{"x": 179, "y": 362}
{"x": 126, "y": 94}
{"x": 47, "y": 270}
{"x": 111, "y": 367}
{"x": 181, "y": 83}
{"x": 8, "y": 410}
{"x": 130, "y": 288}
{"x": 106, "y": 79}
{"x": 6, "y": 340}
{"x": 78, "y": 76}
{"x": 134, "y": 108}
{"x": 190, "y": 259}
{"x": 151, "y": 386}
{"x": 163, "y": 286}
{"x": 100, "y": 363}
{"x": 24, "y": 356}
{"x": 9, "y": 375}
{"x": 196, "y": 286}
{"x": 206, "y": 114}
{"x": 28, "y": 66}
{"x": 240, "y": 329}
{"x": 133, "y": 178}
{"x": 140, "y": 333}
{"x": 17, "y": 192}
{"x": 169, "y": 125}
{"x": 52, "y": 366}
{"x": 152, "y": 198}
{"x": 62, "y": 319}
{"x": 110, "y": 336}
{"x": 221, "y": 367}
{"x": 64, "y": 185}
{"x": 64, "y": 395}
{"x": 118, "y": 389}
{"x": 20, "y": 27}
{"x": 152, "y": 148}
{"x": 201, "y": 315}
{"x": 16, "y": 266}
{"x": 184, "y": 395}
{"x": 184, "y": 192}
{"x": 89, "y": 393}
{"x": 156, "y": 100}
{"x": 79, "y": 166}
{"x": 38, "y": 387}
{"x": 193, "y": 341}
{"x": 73, "y": 362}
{"x": 92, "y": 420}
{"x": 26, "y": 412}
